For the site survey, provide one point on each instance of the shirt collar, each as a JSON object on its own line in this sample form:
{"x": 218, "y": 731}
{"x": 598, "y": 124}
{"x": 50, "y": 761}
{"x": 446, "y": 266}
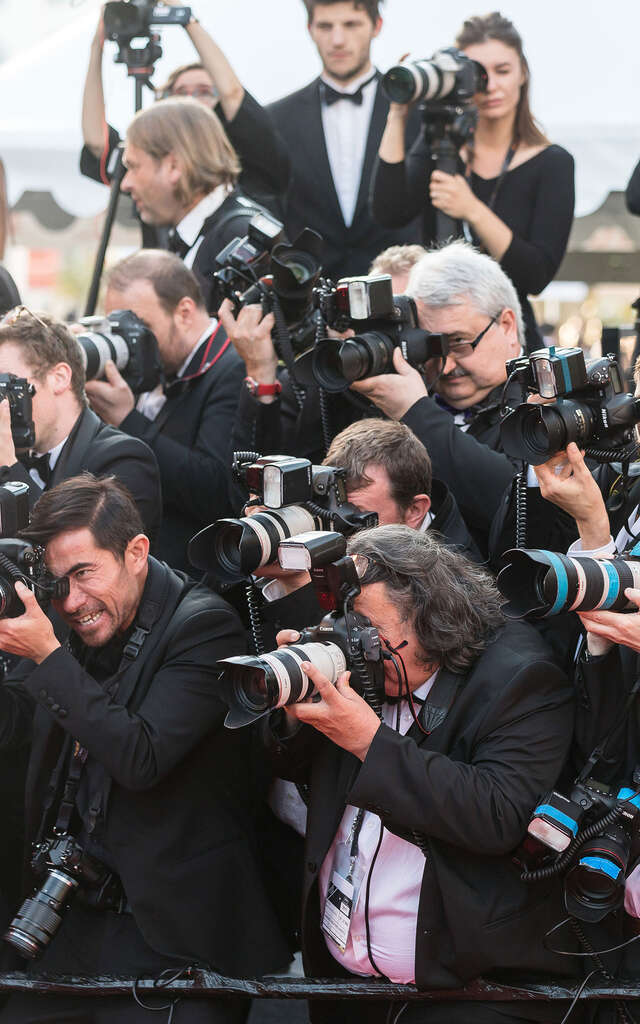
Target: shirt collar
{"x": 54, "y": 453}
{"x": 206, "y": 334}
{"x": 352, "y": 87}
{"x": 190, "y": 225}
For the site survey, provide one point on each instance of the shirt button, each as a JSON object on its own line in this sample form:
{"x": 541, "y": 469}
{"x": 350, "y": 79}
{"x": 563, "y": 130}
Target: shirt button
{"x": 313, "y": 867}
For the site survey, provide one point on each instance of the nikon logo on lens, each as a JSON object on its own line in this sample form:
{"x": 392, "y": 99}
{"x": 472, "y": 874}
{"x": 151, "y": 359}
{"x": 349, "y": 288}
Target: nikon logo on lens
{"x": 538, "y": 583}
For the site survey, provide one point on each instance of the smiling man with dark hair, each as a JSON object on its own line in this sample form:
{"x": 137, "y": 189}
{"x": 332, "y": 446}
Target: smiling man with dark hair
{"x": 157, "y": 791}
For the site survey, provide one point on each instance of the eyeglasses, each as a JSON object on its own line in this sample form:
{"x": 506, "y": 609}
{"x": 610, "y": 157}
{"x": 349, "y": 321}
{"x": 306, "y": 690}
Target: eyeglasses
{"x": 14, "y": 315}
{"x": 365, "y": 562}
{"x": 199, "y": 92}
{"x": 463, "y": 349}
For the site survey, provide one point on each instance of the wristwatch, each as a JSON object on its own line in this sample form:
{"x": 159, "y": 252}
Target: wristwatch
{"x": 258, "y": 390}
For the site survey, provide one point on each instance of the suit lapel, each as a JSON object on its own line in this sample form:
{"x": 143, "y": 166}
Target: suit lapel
{"x": 72, "y": 457}
{"x": 376, "y": 128}
{"x": 317, "y": 149}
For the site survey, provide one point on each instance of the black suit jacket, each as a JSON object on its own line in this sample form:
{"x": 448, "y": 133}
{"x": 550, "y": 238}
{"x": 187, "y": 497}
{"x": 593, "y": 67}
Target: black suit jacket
{"x": 190, "y": 437}
{"x": 177, "y": 786}
{"x": 311, "y": 199}
{"x": 97, "y": 448}
{"x": 469, "y": 787}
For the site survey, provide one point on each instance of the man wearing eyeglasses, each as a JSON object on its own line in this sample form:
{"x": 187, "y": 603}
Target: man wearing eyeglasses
{"x": 464, "y": 295}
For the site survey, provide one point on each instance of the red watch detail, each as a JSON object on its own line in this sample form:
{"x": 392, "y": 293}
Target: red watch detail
{"x": 257, "y": 389}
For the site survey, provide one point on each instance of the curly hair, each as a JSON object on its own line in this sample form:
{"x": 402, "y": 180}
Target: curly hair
{"x": 452, "y": 604}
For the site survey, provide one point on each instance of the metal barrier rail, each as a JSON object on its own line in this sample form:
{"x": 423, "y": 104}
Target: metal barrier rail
{"x": 202, "y": 983}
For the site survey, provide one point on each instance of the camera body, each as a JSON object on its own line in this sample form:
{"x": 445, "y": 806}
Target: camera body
{"x": 252, "y": 686}
{"x": 448, "y": 75}
{"x": 243, "y": 261}
{"x": 382, "y": 321}
{"x": 129, "y": 343}
{"x": 18, "y": 393}
{"x": 299, "y": 498}
{"x": 23, "y": 562}
{"x": 589, "y": 405}
{"x": 607, "y": 817}
{"x": 125, "y": 20}
{"x": 65, "y": 866}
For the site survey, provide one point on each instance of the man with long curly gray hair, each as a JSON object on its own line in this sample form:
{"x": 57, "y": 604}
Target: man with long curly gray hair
{"x": 413, "y": 819}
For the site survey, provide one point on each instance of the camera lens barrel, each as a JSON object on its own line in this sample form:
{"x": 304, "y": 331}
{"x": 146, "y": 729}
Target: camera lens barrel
{"x": 595, "y": 886}
{"x": 97, "y": 348}
{"x": 252, "y": 686}
{"x": 541, "y": 583}
{"x": 337, "y": 364}
{"x": 537, "y": 432}
{"x": 40, "y": 916}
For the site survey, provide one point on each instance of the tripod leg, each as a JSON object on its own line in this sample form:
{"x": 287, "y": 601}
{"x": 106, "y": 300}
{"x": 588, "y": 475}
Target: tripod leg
{"x": 94, "y": 287}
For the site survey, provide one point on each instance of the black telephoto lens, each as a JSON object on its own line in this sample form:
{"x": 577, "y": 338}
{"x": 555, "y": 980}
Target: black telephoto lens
{"x": 40, "y": 916}
{"x": 537, "y": 432}
{"x": 337, "y": 364}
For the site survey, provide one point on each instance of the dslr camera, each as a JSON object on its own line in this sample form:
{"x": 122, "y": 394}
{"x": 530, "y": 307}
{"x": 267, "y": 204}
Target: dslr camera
{"x": 588, "y": 405}
{"x": 18, "y": 393}
{"x": 448, "y": 75}
{"x": 125, "y": 20}
{"x": 263, "y": 268}
{"x": 252, "y": 686}
{"x": 129, "y": 343}
{"x": 383, "y": 321}
{"x": 23, "y": 562}
{"x": 65, "y": 866}
{"x": 299, "y": 498}
{"x": 591, "y": 832}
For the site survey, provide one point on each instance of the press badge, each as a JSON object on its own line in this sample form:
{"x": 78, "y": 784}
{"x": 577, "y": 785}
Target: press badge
{"x": 342, "y": 895}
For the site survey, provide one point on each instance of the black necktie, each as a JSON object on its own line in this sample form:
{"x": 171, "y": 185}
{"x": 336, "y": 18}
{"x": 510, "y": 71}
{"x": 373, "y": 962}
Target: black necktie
{"x": 177, "y": 244}
{"x": 330, "y": 95}
{"x": 40, "y": 463}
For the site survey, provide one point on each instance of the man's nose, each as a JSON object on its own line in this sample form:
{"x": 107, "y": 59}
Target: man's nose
{"x": 74, "y": 599}
{"x": 126, "y": 182}
{"x": 449, "y": 364}
{"x": 337, "y": 37}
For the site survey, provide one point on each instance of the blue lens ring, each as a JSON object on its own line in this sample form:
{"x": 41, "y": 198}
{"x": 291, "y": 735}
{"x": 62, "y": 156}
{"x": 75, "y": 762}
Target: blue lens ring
{"x": 557, "y": 564}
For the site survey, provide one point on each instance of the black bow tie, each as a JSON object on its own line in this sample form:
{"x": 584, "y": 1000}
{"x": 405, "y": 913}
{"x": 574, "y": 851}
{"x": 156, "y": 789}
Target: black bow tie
{"x": 40, "y": 463}
{"x": 403, "y": 697}
{"x": 330, "y": 95}
{"x": 177, "y": 244}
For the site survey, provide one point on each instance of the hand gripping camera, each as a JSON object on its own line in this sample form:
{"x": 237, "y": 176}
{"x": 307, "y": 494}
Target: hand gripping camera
{"x": 254, "y": 686}
{"x": 300, "y": 498}
{"x": 383, "y": 322}
{"x": 592, "y": 832}
{"x": 22, "y": 562}
{"x": 589, "y": 405}
{"x": 129, "y": 343}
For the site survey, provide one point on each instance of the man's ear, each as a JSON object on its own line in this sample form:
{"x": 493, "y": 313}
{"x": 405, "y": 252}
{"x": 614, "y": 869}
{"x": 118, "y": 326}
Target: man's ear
{"x": 59, "y": 378}
{"x": 509, "y": 326}
{"x": 184, "y": 312}
{"x": 378, "y": 28}
{"x": 136, "y": 553}
{"x": 417, "y": 510}
{"x": 173, "y": 168}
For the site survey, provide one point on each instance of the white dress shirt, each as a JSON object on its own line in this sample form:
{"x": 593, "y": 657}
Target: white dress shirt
{"x": 54, "y": 455}
{"x": 190, "y": 225}
{"x": 150, "y": 402}
{"x": 346, "y": 129}
{"x": 395, "y": 885}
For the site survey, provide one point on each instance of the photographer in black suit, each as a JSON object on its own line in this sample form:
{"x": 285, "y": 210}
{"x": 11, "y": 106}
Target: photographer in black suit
{"x": 127, "y": 720}
{"x": 182, "y": 173}
{"x": 188, "y": 421}
{"x": 332, "y": 130}
{"x": 428, "y": 811}
{"x": 70, "y": 437}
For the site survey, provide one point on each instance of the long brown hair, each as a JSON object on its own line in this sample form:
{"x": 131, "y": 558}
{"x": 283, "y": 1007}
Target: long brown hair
{"x": 479, "y": 29}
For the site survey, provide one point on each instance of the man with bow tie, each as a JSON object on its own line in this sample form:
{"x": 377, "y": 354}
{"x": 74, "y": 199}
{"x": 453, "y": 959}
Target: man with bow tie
{"x": 332, "y": 128}
{"x": 413, "y": 817}
{"x": 69, "y": 437}
{"x": 187, "y": 421}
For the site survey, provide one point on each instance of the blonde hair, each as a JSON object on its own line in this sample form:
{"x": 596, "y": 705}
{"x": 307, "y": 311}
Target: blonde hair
{"x": 194, "y": 135}
{"x": 397, "y": 259}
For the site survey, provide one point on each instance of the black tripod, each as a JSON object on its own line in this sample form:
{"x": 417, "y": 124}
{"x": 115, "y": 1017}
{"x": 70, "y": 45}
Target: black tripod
{"x": 447, "y": 127}
{"x": 139, "y": 61}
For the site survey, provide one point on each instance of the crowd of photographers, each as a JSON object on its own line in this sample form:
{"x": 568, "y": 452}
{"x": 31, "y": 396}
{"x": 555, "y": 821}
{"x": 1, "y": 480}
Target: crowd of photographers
{"x": 319, "y": 573}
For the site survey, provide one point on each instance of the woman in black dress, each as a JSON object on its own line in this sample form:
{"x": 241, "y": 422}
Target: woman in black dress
{"x": 514, "y": 194}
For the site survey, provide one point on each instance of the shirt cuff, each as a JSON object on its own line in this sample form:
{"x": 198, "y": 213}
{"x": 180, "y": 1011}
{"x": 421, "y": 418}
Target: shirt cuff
{"x": 608, "y": 550}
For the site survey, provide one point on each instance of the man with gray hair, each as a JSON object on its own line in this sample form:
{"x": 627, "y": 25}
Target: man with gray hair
{"x": 414, "y": 816}
{"x": 464, "y": 295}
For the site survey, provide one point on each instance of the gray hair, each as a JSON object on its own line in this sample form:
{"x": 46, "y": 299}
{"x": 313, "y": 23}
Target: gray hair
{"x": 452, "y": 604}
{"x": 448, "y": 275}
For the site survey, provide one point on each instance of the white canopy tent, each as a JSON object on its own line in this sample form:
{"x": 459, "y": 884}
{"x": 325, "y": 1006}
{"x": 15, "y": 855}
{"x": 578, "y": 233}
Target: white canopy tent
{"x": 583, "y": 57}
